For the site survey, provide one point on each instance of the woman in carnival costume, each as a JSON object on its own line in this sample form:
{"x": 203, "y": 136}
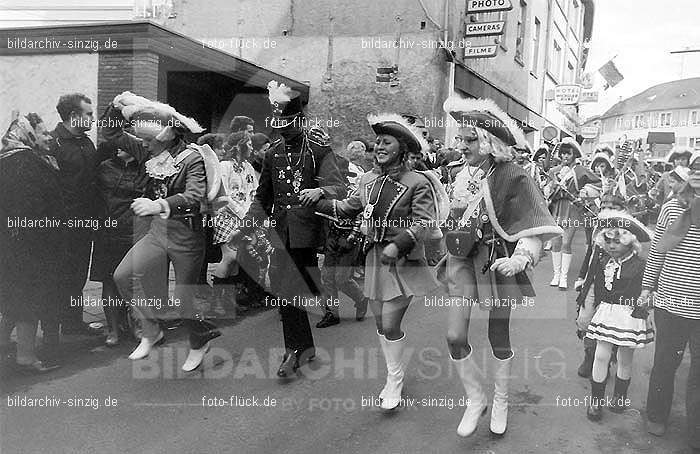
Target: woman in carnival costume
{"x": 183, "y": 178}
{"x": 399, "y": 208}
{"x": 502, "y": 222}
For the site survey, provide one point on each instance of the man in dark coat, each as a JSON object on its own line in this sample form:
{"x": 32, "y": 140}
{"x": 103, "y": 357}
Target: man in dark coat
{"x": 298, "y": 170}
{"x": 77, "y": 160}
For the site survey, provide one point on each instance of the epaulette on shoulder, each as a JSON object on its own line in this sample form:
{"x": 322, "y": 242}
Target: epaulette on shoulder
{"x": 459, "y": 162}
{"x": 318, "y": 136}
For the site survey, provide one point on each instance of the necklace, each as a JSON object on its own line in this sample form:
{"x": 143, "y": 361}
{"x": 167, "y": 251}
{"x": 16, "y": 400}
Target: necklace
{"x": 369, "y": 208}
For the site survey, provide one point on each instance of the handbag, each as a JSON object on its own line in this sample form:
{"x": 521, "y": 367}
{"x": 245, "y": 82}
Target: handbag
{"x": 464, "y": 243}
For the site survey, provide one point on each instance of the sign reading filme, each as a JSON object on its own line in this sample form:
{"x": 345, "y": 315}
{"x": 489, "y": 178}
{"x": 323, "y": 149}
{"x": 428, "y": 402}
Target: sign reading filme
{"x": 480, "y": 51}
{"x": 486, "y": 6}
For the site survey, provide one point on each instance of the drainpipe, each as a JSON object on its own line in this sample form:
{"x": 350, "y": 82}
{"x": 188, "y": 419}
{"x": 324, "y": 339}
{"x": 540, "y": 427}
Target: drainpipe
{"x": 451, "y": 73}
{"x": 548, "y": 36}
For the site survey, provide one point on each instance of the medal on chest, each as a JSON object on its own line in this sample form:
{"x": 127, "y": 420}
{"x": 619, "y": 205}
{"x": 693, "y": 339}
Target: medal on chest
{"x": 367, "y": 212}
{"x": 296, "y": 182}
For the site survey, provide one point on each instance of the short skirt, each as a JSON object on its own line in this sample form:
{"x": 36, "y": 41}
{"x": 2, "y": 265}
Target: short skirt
{"x": 225, "y": 224}
{"x": 409, "y": 276}
{"x": 565, "y": 213}
{"x": 613, "y": 323}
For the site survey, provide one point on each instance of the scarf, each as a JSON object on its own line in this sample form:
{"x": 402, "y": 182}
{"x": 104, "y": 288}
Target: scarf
{"x": 21, "y": 136}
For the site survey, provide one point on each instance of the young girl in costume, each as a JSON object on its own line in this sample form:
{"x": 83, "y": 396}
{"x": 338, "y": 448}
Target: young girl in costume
{"x": 616, "y": 286}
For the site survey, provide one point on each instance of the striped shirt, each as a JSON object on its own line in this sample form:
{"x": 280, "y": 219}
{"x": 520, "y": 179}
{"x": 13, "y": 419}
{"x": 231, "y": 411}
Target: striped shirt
{"x": 675, "y": 275}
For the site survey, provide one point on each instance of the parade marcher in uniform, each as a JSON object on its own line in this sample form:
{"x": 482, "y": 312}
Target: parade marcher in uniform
{"x": 180, "y": 184}
{"x": 298, "y": 170}
{"x": 567, "y": 180}
{"x": 536, "y": 170}
{"x": 502, "y": 219}
{"x": 602, "y": 166}
{"x": 672, "y": 280}
{"x": 620, "y": 319}
{"x": 398, "y": 207}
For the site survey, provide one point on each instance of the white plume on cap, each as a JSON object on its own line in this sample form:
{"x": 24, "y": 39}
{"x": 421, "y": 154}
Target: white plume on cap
{"x": 278, "y": 93}
{"x": 131, "y": 105}
{"x": 373, "y": 119}
{"x": 459, "y": 104}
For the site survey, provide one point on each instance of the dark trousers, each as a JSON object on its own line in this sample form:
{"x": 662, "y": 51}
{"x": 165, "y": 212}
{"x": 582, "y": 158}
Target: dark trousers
{"x": 154, "y": 251}
{"x": 294, "y": 272}
{"x": 338, "y": 266}
{"x": 673, "y": 333}
{"x": 589, "y": 249}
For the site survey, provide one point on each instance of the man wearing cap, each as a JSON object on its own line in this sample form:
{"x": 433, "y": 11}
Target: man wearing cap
{"x": 298, "y": 170}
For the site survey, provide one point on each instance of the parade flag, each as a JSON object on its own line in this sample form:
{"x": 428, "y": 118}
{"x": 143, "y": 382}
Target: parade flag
{"x": 611, "y": 74}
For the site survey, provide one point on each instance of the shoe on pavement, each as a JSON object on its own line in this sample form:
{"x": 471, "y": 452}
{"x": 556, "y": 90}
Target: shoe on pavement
{"x": 329, "y": 319}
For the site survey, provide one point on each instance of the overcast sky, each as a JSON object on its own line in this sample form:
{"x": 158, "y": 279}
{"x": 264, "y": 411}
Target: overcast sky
{"x": 642, "y": 33}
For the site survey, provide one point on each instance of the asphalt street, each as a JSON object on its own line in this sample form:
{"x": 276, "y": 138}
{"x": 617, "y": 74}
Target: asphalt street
{"x": 103, "y": 403}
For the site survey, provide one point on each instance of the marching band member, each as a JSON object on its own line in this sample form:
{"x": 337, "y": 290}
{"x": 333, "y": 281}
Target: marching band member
{"x": 567, "y": 180}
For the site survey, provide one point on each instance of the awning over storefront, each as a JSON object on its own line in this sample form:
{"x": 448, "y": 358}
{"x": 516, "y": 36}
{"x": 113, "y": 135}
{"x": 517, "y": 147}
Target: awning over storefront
{"x": 668, "y": 138}
{"x": 473, "y": 84}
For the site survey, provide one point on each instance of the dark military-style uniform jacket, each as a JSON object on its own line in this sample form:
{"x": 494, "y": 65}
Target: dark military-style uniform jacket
{"x": 288, "y": 168}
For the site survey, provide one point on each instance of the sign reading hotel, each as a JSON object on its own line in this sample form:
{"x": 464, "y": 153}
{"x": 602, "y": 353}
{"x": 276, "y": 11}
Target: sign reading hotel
{"x": 485, "y": 28}
{"x": 481, "y": 51}
{"x": 487, "y": 6}
{"x": 589, "y": 96}
{"x": 567, "y": 94}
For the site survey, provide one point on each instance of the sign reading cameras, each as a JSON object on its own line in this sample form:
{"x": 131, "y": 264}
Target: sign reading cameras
{"x": 485, "y": 28}
{"x": 486, "y": 6}
{"x": 480, "y": 51}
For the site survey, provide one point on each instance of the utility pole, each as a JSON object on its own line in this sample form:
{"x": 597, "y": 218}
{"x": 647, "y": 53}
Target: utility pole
{"x": 687, "y": 50}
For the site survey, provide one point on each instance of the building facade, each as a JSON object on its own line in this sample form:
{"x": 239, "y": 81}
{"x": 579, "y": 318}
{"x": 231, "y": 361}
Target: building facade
{"x": 339, "y": 47}
{"x": 661, "y": 116}
{"x": 343, "y": 50}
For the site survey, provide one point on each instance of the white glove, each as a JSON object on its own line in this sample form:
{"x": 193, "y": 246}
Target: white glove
{"x": 510, "y": 266}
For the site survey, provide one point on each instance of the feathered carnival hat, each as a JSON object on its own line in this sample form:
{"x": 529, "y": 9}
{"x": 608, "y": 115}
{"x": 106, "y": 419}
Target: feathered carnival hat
{"x": 569, "y": 144}
{"x": 285, "y": 102}
{"x": 151, "y": 119}
{"x": 601, "y": 157}
{"x": 485, "y": 114}
{"x": 614, "y": 219}
{"x": 397, "y": 126}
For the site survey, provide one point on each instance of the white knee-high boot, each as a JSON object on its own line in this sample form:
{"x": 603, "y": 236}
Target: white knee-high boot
{"x": 382, "y": 343}
{"x": 499, "y": 410}
{"x": 565, "y": 264}
{"x": 556, "y": 266}
{"x": 395, "y": 373}
{"x": 466, "y": 369}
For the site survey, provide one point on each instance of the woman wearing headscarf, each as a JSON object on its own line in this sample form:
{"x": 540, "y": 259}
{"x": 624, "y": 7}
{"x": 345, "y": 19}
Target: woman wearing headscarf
{"x": 398, "y": 207}
{"x": 120, "y": 180}
{"x": 500, "y": 220}
{"x": 31, "y": 240}
{"x": 177, "y": 193}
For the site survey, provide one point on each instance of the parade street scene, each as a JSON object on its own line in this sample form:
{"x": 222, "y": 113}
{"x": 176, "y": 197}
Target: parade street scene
{"x": 416, "y": 226}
